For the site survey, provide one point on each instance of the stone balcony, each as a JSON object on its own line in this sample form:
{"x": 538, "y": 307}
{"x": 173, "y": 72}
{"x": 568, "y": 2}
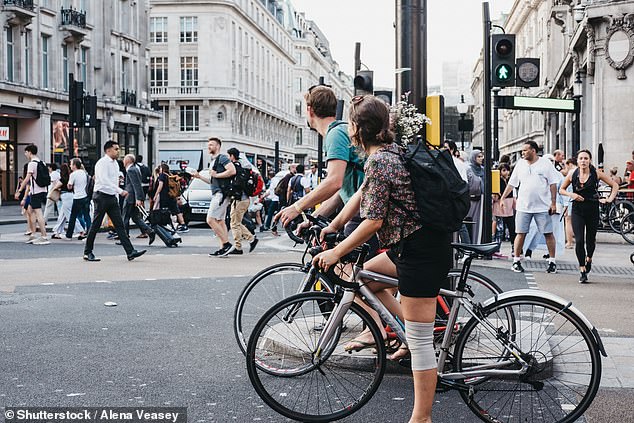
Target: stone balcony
{"x": 21, "y": 12}
{"x": 73, "y": 22}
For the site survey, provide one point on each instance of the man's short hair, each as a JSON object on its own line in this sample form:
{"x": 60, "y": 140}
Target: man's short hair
{"x": 76, "y": 162}
{"x": 109, "y": 144}
{"x": 130, "y": 157}
{"x": 322, "y": 100}
{"x": 300, "y": 168}
{"x": 452, "y": 145}
{"x": 533, "y": 145}
{"x": 215, "y": 139}
{"x": 31, "y": 148}
{"x": 234, "y": 152}
{"x": 53, "y": 166}
{"x": 139, "y": 158}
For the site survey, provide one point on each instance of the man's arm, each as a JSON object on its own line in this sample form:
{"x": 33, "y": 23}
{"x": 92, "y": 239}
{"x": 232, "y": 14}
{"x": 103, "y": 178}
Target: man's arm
{"x": 23, "y": 185}
{"x": 137, "y": 187}
{"x": 230, "y": 170}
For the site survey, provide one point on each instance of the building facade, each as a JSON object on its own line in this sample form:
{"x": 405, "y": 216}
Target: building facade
{"x": 586, "y": 49}
{"x": 104, "y": 45}
{"x": 237, "y": 70}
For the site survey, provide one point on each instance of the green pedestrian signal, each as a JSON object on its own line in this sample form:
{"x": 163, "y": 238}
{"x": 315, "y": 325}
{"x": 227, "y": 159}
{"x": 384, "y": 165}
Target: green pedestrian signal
{"x": 503, "y": 73}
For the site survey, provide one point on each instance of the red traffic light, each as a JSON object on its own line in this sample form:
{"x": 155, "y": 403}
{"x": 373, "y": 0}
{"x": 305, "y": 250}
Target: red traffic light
{"x": 504, "y": 47}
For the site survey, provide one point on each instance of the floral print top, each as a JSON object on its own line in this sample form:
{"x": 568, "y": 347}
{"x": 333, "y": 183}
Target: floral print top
{"x": 386, "y": 178}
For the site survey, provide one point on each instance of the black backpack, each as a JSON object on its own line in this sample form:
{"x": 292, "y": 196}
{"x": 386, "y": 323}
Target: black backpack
{"x": 442, "y": 196}
{"x": 146, "y": 173}
{"x": 297, "y": 189}
{"x": 245, "y": 181}
{"x": 90, "y": 185}
{"x": 42, "y": 177}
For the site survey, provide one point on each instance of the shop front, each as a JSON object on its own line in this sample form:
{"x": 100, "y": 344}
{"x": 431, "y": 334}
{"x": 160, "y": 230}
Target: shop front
{"x": 8, "y": 158}
{"x": 67, "y": 142}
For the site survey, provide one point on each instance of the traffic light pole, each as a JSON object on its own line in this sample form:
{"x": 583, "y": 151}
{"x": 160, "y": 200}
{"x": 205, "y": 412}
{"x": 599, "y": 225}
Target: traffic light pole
{"x": 487, "y": 206}
{"x": 496, "y": 127}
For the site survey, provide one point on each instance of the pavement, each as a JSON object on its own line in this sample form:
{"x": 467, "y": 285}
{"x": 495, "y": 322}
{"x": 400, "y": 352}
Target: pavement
{"x": 169, "y": 339}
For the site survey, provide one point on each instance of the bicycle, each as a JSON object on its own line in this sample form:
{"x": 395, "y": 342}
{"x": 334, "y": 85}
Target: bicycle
{"x": 524, "y": 355}
{"x": 611, "y": 214}
{"x": 279, "y": 281}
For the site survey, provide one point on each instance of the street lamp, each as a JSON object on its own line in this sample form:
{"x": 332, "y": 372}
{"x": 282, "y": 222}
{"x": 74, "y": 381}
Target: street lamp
{"x": 462, "y": 109}
{"x": 577, "y": 90}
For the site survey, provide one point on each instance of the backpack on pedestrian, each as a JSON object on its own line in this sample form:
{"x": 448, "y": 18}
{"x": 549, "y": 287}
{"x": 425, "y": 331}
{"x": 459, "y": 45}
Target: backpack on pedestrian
{"x": 174, "y": 186}
{"x": 259, "y": 187}
{"x": 245, "y": 181}
{"x": 282, "y": 186}
{"x": 146, "y": 173}
{"x": 42, "y": 177}
{"x": 297, "y": 189}
{"x": 90, "y": 185}
{"x": 442, "y": 196}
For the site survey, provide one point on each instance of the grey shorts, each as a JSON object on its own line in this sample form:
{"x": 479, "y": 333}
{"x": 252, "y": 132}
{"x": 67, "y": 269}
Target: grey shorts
{"x": 218, "y": 207}
{"x": 543, "y": 221}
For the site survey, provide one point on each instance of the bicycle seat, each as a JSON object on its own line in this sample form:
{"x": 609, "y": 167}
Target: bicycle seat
{"x": 477, "y": 249}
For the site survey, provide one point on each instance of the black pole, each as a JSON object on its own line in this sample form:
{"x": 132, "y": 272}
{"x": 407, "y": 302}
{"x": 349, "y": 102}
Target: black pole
{"x": 320, "y": 144}
{"x": 462, "y": 115}
{"x": 496, "y": 127}
{"x": 487, "y": 206}
{"x": 277, "y": 157}
{"x": 577, "y": 127}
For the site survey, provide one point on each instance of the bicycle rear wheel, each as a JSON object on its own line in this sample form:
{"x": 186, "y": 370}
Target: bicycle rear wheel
{"x": 266, "y": 289}
{"x": 288, "y": 375}
{"x": 564, "y": 366}
{"x": 618, "y": 211}
{"x": 627, "y": 228}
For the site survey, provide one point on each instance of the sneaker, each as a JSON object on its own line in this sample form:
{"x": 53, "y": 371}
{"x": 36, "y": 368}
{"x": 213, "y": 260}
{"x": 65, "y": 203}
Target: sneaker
{"x": 235, "y": 252}
{"x": 517, "y": 267}
{"x": 552, "y": 268}
{"x": 41, "y": 241}
{"x": 28, "y": 233}
{"x": 584, "y": 277}
{"x": 216, "y": 253}
{"x": 227, "y": 249}
{"x": 56, "y": 236}
{"x": 31, "y": 239}
{"x": 529, "y": 253}
{"x": 252, "y": 244}
{"x": 111, "y": 236}
{"x": 182, "y": 228}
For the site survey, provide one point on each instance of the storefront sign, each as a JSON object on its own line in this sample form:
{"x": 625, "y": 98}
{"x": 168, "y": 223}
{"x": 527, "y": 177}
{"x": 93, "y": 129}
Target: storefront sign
{"x": 4, "y": 133}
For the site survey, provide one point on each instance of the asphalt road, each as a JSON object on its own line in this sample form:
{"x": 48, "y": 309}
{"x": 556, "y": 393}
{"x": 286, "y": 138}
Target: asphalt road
{"x": 169, "y": 341}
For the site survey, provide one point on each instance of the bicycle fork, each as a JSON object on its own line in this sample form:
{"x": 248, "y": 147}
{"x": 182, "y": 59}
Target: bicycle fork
{"x": 334, "y": 321}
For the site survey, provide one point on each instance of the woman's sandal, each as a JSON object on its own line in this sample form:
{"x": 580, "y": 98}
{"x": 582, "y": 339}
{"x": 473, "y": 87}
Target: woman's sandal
{"x": 357, "y": 345}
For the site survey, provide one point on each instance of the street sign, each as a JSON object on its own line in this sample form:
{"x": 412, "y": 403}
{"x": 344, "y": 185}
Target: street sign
{"x": 537, "y": 103}
{"x": 4, "y": 133}
{"x": 527, "y": 72}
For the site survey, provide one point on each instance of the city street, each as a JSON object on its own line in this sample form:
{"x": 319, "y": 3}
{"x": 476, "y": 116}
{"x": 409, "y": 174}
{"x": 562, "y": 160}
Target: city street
{"x": 169, "y": 339}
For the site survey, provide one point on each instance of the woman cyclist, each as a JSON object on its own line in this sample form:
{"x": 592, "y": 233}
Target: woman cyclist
{"x": 585, "y": 208}
{"x": 413, "y": 250}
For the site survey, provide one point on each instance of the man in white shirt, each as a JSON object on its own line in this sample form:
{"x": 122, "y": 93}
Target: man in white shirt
{"x": 38, "y": 194}
{"x": 105, "y": 198}
{"x": 536, "y": 199}
{"x": 311, "y": 179}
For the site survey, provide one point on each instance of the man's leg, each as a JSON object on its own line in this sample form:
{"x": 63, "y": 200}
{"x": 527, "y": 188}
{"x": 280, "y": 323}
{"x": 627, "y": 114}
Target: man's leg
{"x": 220, "y": 229}
{"x": 74, "y": 212}
{"x": 114, "y": 214}
{"x": 127, "y": 214}
{"x": 138, "y": 220}
{"x": 100, "y": 212}
{"x": 41, "y": 223}
{"x": 550, "y": 244}
{"x": 50, "y": 205}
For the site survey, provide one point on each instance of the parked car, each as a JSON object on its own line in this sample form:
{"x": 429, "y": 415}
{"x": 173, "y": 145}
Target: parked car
{"x": 196, "y": 199}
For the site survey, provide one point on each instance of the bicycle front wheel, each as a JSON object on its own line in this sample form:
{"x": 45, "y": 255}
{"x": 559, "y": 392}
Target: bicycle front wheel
{"x": 563, "y": 363}
{"x": 627, "y": 228}
{"x": 295, "y": 380}
{"x": 267, "y": 288}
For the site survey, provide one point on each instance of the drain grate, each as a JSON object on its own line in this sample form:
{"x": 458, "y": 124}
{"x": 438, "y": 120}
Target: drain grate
{"x": 572, "y": 267}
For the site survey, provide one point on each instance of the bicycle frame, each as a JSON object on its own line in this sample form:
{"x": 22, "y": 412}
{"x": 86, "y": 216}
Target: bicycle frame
{"x": 361, "y": 276}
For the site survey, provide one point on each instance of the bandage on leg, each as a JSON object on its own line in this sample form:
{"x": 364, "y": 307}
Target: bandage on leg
{"x": 420, "y": 340}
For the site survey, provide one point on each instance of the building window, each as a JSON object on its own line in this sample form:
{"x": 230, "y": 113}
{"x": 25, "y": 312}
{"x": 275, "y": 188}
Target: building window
{"x": 45, "y": 39}
{"x": 189, "y": 29}
{"x": 27, "y": 57}
{"x": 164, "y": 123}
{"x": 124, "y": 73}
{"x": 189, "y": 119}
{"x": 9, "y": 32}
{"x": 221, "y": 116}
{"x": 298, "y": 137}
{"x": 83, "y": 67}
{"x": 65, "y": 66}
{"x": 158, "y": 75}
{"x": 158, "y": 30}
{"x": 189, "y": 74}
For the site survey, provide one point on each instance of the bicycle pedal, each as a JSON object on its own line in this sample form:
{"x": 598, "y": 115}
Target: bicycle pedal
{"x": 405, "y": 362}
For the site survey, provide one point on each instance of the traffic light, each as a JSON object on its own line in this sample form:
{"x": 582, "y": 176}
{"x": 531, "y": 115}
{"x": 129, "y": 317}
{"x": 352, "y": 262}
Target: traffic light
{"x": 75, "y": 103}
{"x": 90, "y": 111}
{"x": 385, "y": 96}
{"x": 527, "y": 72}
{"x": 503, "y": 60}
{"x": 363, "y": 83}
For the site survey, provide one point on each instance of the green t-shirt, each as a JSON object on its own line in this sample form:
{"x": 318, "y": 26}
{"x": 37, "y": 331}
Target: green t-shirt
{"x": 339, "y": 147}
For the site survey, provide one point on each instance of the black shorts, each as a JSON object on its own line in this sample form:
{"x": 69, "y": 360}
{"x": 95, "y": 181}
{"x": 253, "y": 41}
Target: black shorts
{"x": 372, "y": 242}
{"x": 38, "y": 200}
{"x": 170, "y": 203}
{"x": 422, "y": 261}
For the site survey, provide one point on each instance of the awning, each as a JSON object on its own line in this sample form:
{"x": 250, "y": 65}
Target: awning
{"x": 180, "y": 159}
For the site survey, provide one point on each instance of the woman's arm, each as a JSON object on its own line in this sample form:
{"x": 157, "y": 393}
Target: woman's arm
{"x": 350, "y": 210}
{"x": 613, "y": 185}
{"x": 361, "y": 234}
{"x": 562, "y": 189}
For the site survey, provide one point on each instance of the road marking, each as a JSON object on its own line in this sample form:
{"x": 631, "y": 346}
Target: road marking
{"x": 47, "y": 283}
{"x": 530, "y": 280}
{"x": 150, "y": 279}
{"x": 102, "y": 281}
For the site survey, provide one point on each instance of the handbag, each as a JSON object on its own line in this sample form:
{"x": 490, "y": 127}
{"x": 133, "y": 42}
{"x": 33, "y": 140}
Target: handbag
{"x": 54, "y": 195}
{"x": 160, "y": 217}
